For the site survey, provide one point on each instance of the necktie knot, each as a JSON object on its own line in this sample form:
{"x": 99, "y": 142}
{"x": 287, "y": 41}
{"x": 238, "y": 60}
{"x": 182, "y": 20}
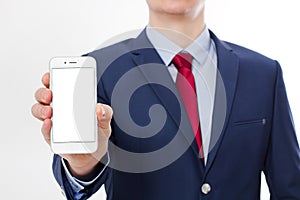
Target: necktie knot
{"x": 182, "y": 60}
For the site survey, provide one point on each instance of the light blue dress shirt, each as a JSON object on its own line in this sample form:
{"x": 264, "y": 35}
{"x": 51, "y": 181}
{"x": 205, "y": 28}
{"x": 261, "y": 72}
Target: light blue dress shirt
{"x": 204, "y": 68}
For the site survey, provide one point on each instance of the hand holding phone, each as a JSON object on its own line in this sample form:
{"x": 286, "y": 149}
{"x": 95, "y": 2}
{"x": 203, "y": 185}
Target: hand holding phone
{"x": 80, "y": 164}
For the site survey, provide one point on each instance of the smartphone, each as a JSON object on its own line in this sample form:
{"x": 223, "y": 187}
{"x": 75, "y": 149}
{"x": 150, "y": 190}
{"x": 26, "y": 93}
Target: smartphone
{"x": 74, "y": 124}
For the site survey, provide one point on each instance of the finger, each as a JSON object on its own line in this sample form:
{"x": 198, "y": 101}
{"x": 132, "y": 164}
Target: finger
{"x": 43, "y": 95}
{"x": 41, "y": 112}
{"x": 104, "y": 115}
{"x": 46, "y": 129}
{"x": 46, "y": 79}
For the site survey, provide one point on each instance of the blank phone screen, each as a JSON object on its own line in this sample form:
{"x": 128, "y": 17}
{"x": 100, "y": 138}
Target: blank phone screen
{"x": 73, "y": 105}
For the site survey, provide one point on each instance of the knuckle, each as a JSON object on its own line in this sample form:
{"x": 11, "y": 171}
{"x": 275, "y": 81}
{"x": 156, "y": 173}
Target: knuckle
{"x": 37, "y": 94}
{"x": 40, "y": 111}
{"x": 45, "y": 79}
{"x": 34, "y": 110}
{"x": 43, "y": 95}
{"x": 109, "y": 111}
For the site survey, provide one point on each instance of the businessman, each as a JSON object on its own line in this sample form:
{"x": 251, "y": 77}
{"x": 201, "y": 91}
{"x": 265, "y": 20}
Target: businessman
{"x": 201, "y": 82}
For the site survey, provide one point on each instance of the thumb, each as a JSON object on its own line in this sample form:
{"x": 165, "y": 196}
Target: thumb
{"x": 104, "y": 115}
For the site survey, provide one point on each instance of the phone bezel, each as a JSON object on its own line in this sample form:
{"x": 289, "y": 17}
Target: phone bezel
{"x": 75, "y": 147}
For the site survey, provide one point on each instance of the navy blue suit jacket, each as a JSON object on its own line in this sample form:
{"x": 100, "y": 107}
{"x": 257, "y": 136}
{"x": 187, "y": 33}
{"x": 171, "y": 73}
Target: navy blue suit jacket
{"x": 258, "y": 133}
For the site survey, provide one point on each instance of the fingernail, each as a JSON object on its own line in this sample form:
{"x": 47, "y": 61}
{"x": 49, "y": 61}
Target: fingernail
{"x": 103, "y": 111}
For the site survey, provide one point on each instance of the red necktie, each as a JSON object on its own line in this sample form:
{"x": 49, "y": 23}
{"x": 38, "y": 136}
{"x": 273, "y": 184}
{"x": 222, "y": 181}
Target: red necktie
{"x": 185, "y": 83}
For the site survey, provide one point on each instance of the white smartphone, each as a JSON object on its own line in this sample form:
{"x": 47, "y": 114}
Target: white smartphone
{"x": 74, "y": 124}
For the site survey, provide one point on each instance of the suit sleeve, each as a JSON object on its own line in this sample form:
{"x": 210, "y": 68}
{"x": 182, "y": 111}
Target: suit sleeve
{"x": 61, "y": 178}
{"x": 282, "y": 166}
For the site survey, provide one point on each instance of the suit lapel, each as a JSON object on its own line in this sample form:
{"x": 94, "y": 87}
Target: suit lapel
{"x": 228, "y": 64}
{"x": 144, "y": 53}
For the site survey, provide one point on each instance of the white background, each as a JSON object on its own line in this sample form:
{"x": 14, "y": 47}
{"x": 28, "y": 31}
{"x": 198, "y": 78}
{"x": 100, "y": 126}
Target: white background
{"x": 33, "y": 31}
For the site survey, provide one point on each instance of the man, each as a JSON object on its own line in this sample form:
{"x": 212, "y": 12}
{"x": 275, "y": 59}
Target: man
{"x": 257, "y": 132}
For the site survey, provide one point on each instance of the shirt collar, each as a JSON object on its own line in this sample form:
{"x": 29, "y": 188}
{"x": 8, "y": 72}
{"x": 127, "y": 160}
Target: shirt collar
{"x": 167, "y": 49}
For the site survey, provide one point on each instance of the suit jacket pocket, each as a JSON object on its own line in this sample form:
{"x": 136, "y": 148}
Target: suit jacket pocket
{"x": 262, "y": 121}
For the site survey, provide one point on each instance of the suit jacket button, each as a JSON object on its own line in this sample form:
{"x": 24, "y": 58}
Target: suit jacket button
{"x": 205, "y": 188}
